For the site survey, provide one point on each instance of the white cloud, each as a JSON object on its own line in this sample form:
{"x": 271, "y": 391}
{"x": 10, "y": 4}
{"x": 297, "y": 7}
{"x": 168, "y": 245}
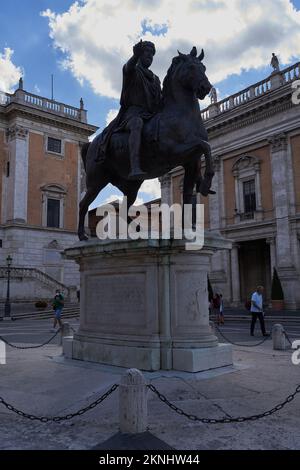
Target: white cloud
{"x": 112, "y": 198}
{"x": 151, "y": 188}
{"x": 9, "y": 72}
{"x": 111, "y": 115}
{"x": 97, "y": 37}
{"x": 116, "y": 197}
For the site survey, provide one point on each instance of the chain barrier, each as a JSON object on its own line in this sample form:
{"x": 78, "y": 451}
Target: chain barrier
{"x": 58, "y": 419}
{"x": 163, "y": 398}
{"x": 287, "y": 337}
{"x": 30, "y": 347}
{"x": 240, "y": 419}
{"x": 244, "y": 345}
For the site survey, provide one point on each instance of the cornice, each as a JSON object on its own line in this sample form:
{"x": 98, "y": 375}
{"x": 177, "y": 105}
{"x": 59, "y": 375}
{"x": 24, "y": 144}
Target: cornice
{"x": 20, "y": 110}
{"x": 247, "y": 116}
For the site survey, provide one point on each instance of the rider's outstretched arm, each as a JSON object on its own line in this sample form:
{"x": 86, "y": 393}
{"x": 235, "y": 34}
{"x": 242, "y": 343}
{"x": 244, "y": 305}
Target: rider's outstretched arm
{"x": 137, "y": 51}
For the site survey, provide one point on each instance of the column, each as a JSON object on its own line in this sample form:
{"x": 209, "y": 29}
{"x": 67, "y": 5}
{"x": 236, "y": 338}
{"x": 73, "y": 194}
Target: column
{"x": 284, "y": 260}
{"x": 166, "y": 189}
{"x": 215, "y": 202}
{"x": 271, "y": 243}
{"x": 238, "y": 208}
{"x": 18, "y": 179}
{"x": 280, "y": 198}
{"x": 235, "y": 275}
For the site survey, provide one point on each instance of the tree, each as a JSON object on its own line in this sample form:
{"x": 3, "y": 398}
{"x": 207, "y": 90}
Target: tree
{"x": 276, "y": 291}
{"x": 209, "y": 290}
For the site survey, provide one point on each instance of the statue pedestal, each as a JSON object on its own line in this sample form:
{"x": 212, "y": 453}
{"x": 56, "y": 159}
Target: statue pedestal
{"x": 144, "y": 304}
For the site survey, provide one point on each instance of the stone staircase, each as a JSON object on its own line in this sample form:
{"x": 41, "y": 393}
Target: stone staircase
{"x": 35, "y": 274}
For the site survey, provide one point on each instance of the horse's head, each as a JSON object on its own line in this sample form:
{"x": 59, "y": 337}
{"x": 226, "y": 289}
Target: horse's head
{"x": 189, "y": 70}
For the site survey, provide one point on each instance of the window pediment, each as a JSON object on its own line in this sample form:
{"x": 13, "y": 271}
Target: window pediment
{"x": 54, "y": 188}
{"x": 246, "y": 163}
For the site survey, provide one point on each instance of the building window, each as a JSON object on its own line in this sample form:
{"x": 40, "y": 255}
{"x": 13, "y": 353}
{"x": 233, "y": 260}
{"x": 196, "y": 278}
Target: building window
{"x": 53, "y": 202}
{"x": 53, "y": 213}
{"x": 249, "y": 197}
{"x": 54, "y": 145}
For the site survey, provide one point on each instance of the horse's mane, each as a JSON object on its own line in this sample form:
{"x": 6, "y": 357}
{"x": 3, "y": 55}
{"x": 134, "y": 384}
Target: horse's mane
{"x": 166, "y": 90}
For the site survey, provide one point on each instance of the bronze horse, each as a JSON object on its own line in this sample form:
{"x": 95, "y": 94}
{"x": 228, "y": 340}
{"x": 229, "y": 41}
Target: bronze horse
{"x": 174, "y": 137}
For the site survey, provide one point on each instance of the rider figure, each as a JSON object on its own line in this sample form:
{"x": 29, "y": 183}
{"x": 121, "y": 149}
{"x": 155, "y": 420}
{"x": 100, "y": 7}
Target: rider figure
{"x": 140, "y": 100}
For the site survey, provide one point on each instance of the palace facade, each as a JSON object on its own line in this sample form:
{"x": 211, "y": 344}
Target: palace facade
{"x": 255, "y": 140}
{"x": 40, "y": 187}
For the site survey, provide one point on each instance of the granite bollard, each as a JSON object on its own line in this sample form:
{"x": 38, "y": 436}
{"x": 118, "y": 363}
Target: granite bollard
{"x": 279, "y": 338}
{"x": 133, "y": 412}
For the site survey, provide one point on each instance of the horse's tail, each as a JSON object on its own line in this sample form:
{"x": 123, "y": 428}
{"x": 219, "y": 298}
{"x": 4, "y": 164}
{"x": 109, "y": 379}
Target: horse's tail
{"x": 84, "y": 151}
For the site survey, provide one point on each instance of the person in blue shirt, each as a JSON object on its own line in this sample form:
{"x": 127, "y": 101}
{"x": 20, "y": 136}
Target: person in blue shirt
{"x": 257, "y": 311}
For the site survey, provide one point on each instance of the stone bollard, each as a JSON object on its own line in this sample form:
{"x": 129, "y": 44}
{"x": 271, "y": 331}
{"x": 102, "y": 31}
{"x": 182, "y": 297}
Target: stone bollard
{"x": 133, "y": 413}
{"x": 66, "y": 331}
{"x": 279, "y": 339}
{"x": 2, "y": 352}
{"x": 212, "y": 327}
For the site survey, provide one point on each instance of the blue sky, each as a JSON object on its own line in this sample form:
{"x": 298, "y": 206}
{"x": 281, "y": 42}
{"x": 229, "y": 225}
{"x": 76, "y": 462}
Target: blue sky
{"x": 96, "y": 39}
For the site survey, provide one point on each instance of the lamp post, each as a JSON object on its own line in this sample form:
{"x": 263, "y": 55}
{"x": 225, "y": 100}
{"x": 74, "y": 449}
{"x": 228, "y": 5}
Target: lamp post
{"x": 7, "y": 307}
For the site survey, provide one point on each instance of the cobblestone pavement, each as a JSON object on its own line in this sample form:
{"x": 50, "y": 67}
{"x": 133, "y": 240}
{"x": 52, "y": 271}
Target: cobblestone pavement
{"x": 42, "y": 382}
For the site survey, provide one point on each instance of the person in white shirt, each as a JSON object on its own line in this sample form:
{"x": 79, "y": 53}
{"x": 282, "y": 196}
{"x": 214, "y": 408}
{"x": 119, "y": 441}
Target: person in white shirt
{"x": 257, "y": 311}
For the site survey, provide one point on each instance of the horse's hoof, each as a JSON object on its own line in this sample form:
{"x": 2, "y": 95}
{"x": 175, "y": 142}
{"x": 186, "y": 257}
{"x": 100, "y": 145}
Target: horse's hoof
{"x": 83, "y": 237}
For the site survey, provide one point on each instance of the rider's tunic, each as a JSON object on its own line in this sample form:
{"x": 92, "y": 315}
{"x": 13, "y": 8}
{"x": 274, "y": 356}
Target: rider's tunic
{"x": 140, "y": 97}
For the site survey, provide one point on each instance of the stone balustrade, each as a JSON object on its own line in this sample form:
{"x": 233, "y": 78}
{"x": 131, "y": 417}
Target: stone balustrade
{"x": 258, "y": 89}
{"x": 45, "y": 104}
{"x": 24, "y": 272}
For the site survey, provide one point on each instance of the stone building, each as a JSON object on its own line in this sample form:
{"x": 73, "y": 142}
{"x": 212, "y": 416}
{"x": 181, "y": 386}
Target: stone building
{"x": 40, "y": 188}
{"x": 255, "y": 139}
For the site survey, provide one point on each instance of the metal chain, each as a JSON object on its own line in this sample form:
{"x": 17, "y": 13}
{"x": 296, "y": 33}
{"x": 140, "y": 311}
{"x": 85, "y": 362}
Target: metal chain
{"x": 29, "y": 347}
{"x": 287, "y": 337}
{"x": 239, "y": 419}
{"x": 239, "y": 344}
{"x": 58, "y": 419}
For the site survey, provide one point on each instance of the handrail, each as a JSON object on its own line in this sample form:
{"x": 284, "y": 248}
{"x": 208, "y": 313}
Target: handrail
{"x": 33, "y": 273}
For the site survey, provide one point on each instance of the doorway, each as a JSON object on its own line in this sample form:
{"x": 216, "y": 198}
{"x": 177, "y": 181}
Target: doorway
{"x": 255, "y": 267}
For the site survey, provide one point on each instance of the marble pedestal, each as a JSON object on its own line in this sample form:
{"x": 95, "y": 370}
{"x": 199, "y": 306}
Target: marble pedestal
{"x": 144, "y": 304}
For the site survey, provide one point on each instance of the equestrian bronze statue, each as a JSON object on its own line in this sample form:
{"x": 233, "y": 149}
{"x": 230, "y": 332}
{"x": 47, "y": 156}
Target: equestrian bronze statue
{"x": 155, "y": 131}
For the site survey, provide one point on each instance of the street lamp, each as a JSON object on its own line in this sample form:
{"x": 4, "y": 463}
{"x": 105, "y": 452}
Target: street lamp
{"x": 7, "y": 302}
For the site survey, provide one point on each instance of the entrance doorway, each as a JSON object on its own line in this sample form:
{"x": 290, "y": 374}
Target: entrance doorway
{"x": 255, "y": 267}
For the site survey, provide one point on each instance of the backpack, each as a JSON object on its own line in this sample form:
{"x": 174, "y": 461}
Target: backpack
{"x": 248, "y": 305}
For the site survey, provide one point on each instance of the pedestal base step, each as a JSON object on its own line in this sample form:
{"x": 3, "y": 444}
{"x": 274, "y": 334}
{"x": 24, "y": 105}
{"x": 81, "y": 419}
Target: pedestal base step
{"x": 148, "y": 359}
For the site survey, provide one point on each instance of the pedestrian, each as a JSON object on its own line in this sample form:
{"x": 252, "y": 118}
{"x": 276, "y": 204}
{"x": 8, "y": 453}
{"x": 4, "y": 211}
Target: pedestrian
{"x": 58, "y": 304}
{"x": 221, "y": 311}
{"x": 257, "y": 311}
{"x": 216, "y": 307}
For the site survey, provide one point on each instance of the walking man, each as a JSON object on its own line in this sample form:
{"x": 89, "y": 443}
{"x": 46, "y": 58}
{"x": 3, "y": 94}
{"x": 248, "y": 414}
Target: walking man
{"x": 257, "y": 310}
{"x": 58, "y": 304}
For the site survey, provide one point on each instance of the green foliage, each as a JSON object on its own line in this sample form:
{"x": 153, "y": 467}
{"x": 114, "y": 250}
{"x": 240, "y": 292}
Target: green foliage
{"x": 276, "y": 292}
